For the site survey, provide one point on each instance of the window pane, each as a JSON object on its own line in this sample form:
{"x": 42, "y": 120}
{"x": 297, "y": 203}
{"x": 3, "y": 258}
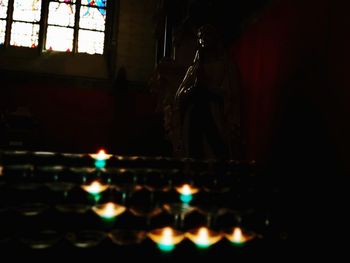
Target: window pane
{"x": 91, "y": 42}
{"x": 59, "y": 38}
{"x": 2, "y": 31}
{"x": 24, "y": 34}
{"x": 61, "y": 14}
{"x": 101, "y": 10}
{"x": 27, "y": 10}
{"x": 99, "y": 3}
{"x": 91, "y": 18}
{"x": 3, "y": 8}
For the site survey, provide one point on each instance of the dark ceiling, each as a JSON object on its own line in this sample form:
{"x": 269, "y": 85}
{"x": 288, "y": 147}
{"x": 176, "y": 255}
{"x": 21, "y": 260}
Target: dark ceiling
{"x": 229, "y": 16}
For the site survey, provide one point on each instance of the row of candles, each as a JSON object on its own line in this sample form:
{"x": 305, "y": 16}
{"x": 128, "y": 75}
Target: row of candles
{"x": 56, "y": 176}
{"x": 186, "y": 191}
{"x": 166, "y": 238}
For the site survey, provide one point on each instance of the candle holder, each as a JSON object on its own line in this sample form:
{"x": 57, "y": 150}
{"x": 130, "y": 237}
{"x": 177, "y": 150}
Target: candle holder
{"x": 186, "y": 192}
{"x": 179, "y": 211}
{"x": 42, "y": 239}
{"x": 86, "y": 238}
{"x": 126, "y": 237}
{"x": 100, "y": 158}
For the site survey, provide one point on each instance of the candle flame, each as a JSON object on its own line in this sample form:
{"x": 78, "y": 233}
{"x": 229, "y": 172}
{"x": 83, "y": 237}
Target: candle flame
{"x": 95, "y": 187}
{"x": 238, "y": 237}
{"x": 203, "y": 237}
{"x": 166, "y": 236}
{"x": 108, "y": 210}
{"x": 186, "y": 189}
{"x": 101, "y": 155}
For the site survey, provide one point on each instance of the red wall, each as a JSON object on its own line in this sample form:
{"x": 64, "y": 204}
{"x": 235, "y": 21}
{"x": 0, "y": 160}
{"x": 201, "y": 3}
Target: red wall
{"x": 291, "y": 94}
{"x": 75, "y": 118}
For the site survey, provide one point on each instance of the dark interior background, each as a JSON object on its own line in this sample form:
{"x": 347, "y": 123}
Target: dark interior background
{"x": 293, "y": 62}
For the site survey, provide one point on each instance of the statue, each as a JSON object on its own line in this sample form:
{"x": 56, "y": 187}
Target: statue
{"x": 197, "y": 90}
{"x": 203, "y": 121}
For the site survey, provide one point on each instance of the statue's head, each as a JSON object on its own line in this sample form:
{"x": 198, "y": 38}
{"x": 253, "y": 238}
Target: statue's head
{"x": 208, "y": 36}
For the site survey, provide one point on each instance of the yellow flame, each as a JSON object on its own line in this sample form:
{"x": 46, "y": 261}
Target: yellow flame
{"x": 108, "y": 210}
{"x": 95, "y": 187}
{"x": 237, "y": 236}
{"x": 101, "y": 155}
{"x": 186, "y": 189}
{"x": 166, "y": 236}
{"x": 203, "y": 237}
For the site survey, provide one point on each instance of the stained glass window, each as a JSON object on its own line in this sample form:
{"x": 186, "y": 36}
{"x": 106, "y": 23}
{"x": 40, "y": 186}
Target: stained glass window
{"x": 25, "y": 26}
{"x": 3, "y": 8}
{"x": 3, "y": 15}
{"x": 61, "y": 14}
{"x": 91, "y": 18}
{"x": 91, "y": 42}
{"x": 98, "y": 3}
{"x": 2, "y": 31}
{"x": 59, "y": 38}
{"x": 27, "y": 10}
{"x": 92, "y": 26}
{"x": 24, "y": 34}
{"x": 70, "y": 25}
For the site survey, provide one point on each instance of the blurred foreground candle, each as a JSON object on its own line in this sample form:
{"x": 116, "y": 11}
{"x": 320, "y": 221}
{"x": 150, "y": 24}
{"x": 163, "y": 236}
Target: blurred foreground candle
{"x": 166, "y": 238}
{"x": 186, "y": 192}
{"x": 109, "y": 210}
{"x": 100, "y": 158}
{"x": 237, "y": 237}
{"x": 203, "y": 237}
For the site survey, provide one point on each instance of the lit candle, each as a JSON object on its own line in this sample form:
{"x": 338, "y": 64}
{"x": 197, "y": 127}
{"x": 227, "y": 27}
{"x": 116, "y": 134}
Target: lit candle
{"x": 186, "y": 192}
{"x": 237, "y": 237}
{"x": 109, "y": 210}
{"x": 166, "y": 238}
{"x": 95, "y": 187}
{"x": 203, "y": 237}
{"x": 100, "y": 158}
